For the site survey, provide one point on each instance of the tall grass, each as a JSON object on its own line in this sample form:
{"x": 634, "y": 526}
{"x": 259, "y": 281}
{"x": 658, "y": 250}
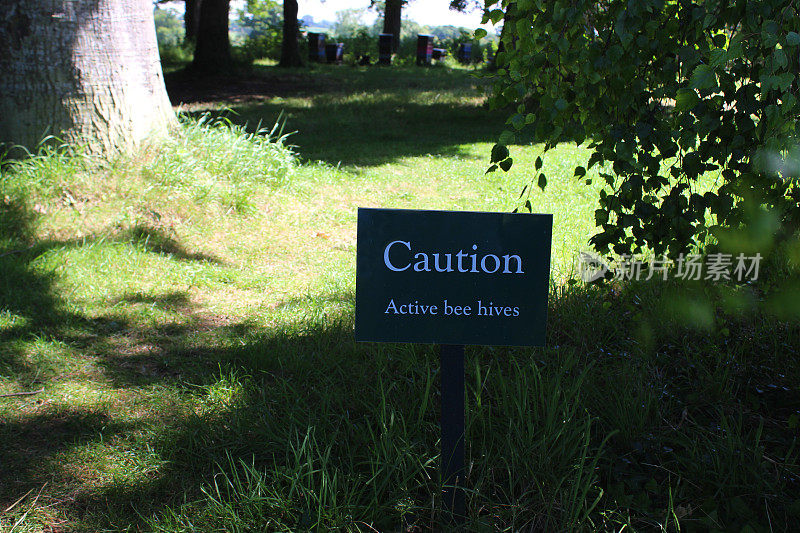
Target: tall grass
{"x": 214, "y": 159}
{"x": 209, "y": 160}
{"x": 45, "y": 172}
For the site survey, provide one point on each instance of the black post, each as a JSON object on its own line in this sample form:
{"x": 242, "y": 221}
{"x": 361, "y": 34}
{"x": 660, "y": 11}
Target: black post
{"x": 452, "y": 373}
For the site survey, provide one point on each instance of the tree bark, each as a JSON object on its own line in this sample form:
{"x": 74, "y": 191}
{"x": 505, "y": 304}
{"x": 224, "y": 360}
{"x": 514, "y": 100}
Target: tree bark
{"x": 191, "y": 19}
{"x": 85, "y": 71}
{"x": 212, "y": 53}
{"x": 290, "y": 50}
{"x": 392, "y": 19}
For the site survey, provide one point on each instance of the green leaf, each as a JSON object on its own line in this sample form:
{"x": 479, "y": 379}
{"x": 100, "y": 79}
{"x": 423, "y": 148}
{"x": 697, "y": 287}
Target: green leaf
{"x": 517, "y": 121}
{"x": 785, "y": 80}
{"x": 499, "y": 152}
{"x": 717, "y": 64}
{"x": 542, "y": 181}
{"x": 780, "y": 82}
{"x": 480, "y": 33}
{"x": 506, "y": 137}
{"x": 769, "y": 33}
{"x": 793, "y": 508}
{"x": 496, "y": 15}
{"x": 615, "y": 53}
{"x": 538, "y": 163}
{"x": 788, "y": 103}
{"x": 703, "y": 77}
{"x": 492, "y": 168}
{"x": 505, "y": 164}
{"x": 779, "y": 57}
{"x": 523, "y": 27}
{"x": 717, "y": 57}
{"x": 736, "y": 47}
{"x": 686, "y": 99}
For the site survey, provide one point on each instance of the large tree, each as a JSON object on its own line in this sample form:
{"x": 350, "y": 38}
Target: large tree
{"x": 290, "y": 51}
{"x": 392, "y": 20}
{"x": 212, "y": 52}
{"x": 191, "y": 18}
{"x": 86, "y": 71}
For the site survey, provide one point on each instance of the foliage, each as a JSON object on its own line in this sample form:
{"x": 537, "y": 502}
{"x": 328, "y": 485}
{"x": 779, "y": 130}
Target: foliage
{"x": 261, "y": 21}
{"x": 358, "y": 38}
{"x": 349, "y": 23}
{"x": 451, "y": 37}
{"x": 169, "y": 27}
{"x": 170, "y": 36}
{"x": 665, "y": 92}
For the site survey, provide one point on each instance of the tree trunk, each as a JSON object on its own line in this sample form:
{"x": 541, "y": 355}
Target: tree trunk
{"x": 290, "y": 51}
{"x": 392, "y": 21}
{"x": 191, "y": 19}
{"x": 86, "y": 71}
{"x": 212, "y": 53}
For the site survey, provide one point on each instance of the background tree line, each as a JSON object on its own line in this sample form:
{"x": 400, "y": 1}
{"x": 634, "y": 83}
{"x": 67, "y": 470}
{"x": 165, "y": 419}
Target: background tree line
{"x": 256, "y": 32}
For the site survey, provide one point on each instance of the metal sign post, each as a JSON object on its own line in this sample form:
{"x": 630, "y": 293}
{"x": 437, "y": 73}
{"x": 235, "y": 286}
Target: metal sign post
{"x": 452, "y": 424}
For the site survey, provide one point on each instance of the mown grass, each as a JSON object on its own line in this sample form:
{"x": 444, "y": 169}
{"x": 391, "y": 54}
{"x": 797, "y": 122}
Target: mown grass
{"x": 188, "y": 311}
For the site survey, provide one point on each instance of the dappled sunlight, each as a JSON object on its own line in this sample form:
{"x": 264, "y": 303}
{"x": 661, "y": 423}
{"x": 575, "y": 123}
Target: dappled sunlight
{"x": 368, "y": 118}
{"x": 200, "y": 371}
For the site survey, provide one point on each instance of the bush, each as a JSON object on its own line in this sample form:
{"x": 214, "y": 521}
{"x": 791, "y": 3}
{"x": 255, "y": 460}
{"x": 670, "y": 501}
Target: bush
{"x": 666, "y": 93}
{"x": 259, "y": 27}
{"x": 170, "y": 35}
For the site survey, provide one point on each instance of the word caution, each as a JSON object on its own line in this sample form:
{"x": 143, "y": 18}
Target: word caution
{"x": 443, "y": 262}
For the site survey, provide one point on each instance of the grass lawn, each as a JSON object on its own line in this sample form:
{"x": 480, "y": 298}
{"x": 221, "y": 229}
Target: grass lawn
{"x": 188, "y": 311}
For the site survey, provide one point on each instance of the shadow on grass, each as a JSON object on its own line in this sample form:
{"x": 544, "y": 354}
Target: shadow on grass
{"x": 368, "y": 134}
{"x": 30, "y": 307}
{"x": 263, "y": 82}
{"x": 309, "y": 417}
{"x": 32, "y": 443}
{"x": 299, "y": 425}
{"x": 156, "y": 240}
{"x": 23, "y": 292}
{"x": 367, "y": 120}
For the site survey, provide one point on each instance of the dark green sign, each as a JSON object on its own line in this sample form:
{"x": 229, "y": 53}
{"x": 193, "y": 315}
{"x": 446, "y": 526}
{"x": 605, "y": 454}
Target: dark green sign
{"x": 450, "y": 277}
